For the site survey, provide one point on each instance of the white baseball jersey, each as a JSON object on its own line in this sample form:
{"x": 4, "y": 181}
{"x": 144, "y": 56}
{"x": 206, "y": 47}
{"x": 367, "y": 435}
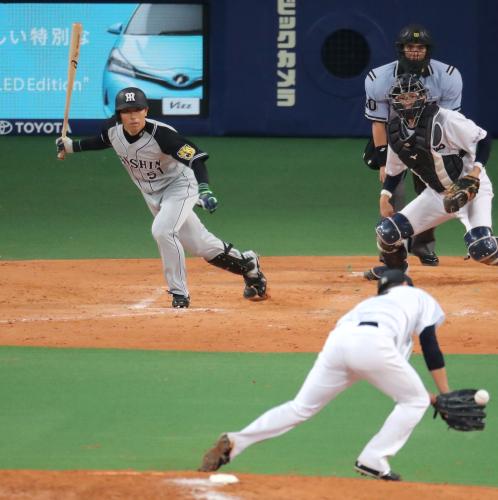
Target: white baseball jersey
{"x": 458, "y": 134}
{"x": 443, "y": 83}
{"x": 400, "y": 313}
{"x": 156, "y": 158}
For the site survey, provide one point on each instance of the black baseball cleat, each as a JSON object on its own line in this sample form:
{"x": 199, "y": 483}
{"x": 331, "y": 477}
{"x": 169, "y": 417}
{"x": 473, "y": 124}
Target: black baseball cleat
{"x": 217, "y": 456}
{"x": 367, "y": 471}
{"x": 254, "y": 279}
{"x": 428, "y": 259}
{"x": 180, "y": 301}
{"x": 375, "y": 273}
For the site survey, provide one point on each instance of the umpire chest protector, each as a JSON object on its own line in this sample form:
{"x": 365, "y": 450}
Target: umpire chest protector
{"x": 418, "y": 151}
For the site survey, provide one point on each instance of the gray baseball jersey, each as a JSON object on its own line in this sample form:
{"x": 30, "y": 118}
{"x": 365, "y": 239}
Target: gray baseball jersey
{"x": 156, "y": 158}
{"x": 443, "y": 83}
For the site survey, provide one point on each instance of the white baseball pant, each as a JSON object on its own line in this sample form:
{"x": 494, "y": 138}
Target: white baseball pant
{"x": 351, "y": 353}
{"x": 427, "y": 209}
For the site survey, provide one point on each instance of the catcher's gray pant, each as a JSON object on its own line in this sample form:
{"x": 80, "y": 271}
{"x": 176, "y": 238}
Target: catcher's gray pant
{"x": 177, "y": 228}
{"x": 351, "y": 353}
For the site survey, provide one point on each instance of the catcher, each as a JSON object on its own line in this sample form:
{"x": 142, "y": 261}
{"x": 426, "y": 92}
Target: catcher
{"x": 372, "y": 342}
{"x": 448, "y": 152}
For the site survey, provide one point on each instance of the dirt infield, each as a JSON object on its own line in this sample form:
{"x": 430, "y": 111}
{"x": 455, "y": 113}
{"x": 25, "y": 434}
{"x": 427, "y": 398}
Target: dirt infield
{"x": 96, "y": 485}
{"x": 123, "y": 304}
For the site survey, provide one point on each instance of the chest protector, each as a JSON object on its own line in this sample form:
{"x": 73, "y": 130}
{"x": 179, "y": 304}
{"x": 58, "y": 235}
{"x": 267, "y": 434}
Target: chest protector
{"x": 417, "y": 152}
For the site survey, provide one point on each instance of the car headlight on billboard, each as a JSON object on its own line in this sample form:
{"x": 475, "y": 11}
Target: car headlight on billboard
{"x": 117, "y": 63}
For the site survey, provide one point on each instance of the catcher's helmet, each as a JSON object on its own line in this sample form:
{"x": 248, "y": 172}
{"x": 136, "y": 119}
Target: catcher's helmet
{"x": 131, "y": 97}
{"x": 413, "y": 33}
{"x": 408, "y": 98}
{"x": 392, "y": 277}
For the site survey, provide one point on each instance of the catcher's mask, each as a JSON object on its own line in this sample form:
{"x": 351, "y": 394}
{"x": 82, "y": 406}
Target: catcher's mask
{"x": 414, "y": 33}
{"x": 392, "y": 277}
{"x": 408, "y": 98}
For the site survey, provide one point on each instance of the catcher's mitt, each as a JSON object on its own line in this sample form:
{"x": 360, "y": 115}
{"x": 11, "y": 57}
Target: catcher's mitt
{"x": 460, "y": 193}
{"x": 460, "y": 410}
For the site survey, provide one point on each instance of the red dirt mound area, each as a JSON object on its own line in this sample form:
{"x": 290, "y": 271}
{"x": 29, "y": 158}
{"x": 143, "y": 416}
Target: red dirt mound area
{"x": 98, "y": 485}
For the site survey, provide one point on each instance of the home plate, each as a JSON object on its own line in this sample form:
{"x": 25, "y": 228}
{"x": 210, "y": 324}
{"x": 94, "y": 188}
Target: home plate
{"x": 223, "y": 478}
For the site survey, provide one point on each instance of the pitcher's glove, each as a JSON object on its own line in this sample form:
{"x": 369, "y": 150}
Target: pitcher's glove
{"x": 207, "y": 199}
{"x": 460, "y": 410}
{"x": 460, "y": 193}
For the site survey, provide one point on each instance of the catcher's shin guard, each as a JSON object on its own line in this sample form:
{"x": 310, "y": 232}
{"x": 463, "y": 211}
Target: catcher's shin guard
{"x": 482, "y": 245}
{"x": 396, "y": 259}
{"x": 393, "y": 230}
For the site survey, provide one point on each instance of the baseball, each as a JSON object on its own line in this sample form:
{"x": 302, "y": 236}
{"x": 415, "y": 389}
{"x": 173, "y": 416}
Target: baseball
{"x": 481, "y": 397}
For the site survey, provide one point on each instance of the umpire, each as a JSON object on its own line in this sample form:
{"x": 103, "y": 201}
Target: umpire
{"x": 444, "y": 84}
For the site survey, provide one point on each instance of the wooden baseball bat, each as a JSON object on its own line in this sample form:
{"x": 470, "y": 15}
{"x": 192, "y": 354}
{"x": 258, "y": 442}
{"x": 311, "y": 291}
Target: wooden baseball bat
{"x": 72, "y": 64}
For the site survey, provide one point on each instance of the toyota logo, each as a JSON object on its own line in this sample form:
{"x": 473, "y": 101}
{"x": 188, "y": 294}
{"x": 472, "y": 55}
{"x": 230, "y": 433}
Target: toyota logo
{"x": 5, "y": 127}
{"x": 180, "y": 79}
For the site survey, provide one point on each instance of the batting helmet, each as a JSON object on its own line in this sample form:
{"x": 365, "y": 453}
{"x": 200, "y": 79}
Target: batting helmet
{"x": 391, "y": 278}
{"x": 131, "y": 97}
{"x": 413, "y": 33}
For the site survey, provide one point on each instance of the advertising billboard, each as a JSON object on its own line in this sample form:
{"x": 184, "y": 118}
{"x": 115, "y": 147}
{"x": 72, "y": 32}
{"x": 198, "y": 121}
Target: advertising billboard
{"x": 159, "y": 48}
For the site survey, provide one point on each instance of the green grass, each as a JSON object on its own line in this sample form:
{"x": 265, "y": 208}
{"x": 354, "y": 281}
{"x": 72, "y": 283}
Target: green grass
{"x": 146, "y": 410}
{"x": 280, "y": 196}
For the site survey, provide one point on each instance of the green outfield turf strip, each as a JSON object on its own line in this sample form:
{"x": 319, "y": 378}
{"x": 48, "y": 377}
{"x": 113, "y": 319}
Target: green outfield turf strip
{"x": 280, "y": 196}
{"x": 151, "y": 410}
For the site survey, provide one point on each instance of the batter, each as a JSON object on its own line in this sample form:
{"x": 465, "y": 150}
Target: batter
{"x": 170, "y": 172}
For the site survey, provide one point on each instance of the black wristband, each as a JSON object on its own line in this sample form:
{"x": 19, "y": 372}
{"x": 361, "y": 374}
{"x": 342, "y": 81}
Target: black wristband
{"x": 381, "y": 154}
{"x": 391, "y": 182}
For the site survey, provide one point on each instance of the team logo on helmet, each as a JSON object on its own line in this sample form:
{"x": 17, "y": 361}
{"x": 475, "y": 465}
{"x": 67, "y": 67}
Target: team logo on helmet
{"x": 130, "y": 97}
{"x": 186, "y": 152}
